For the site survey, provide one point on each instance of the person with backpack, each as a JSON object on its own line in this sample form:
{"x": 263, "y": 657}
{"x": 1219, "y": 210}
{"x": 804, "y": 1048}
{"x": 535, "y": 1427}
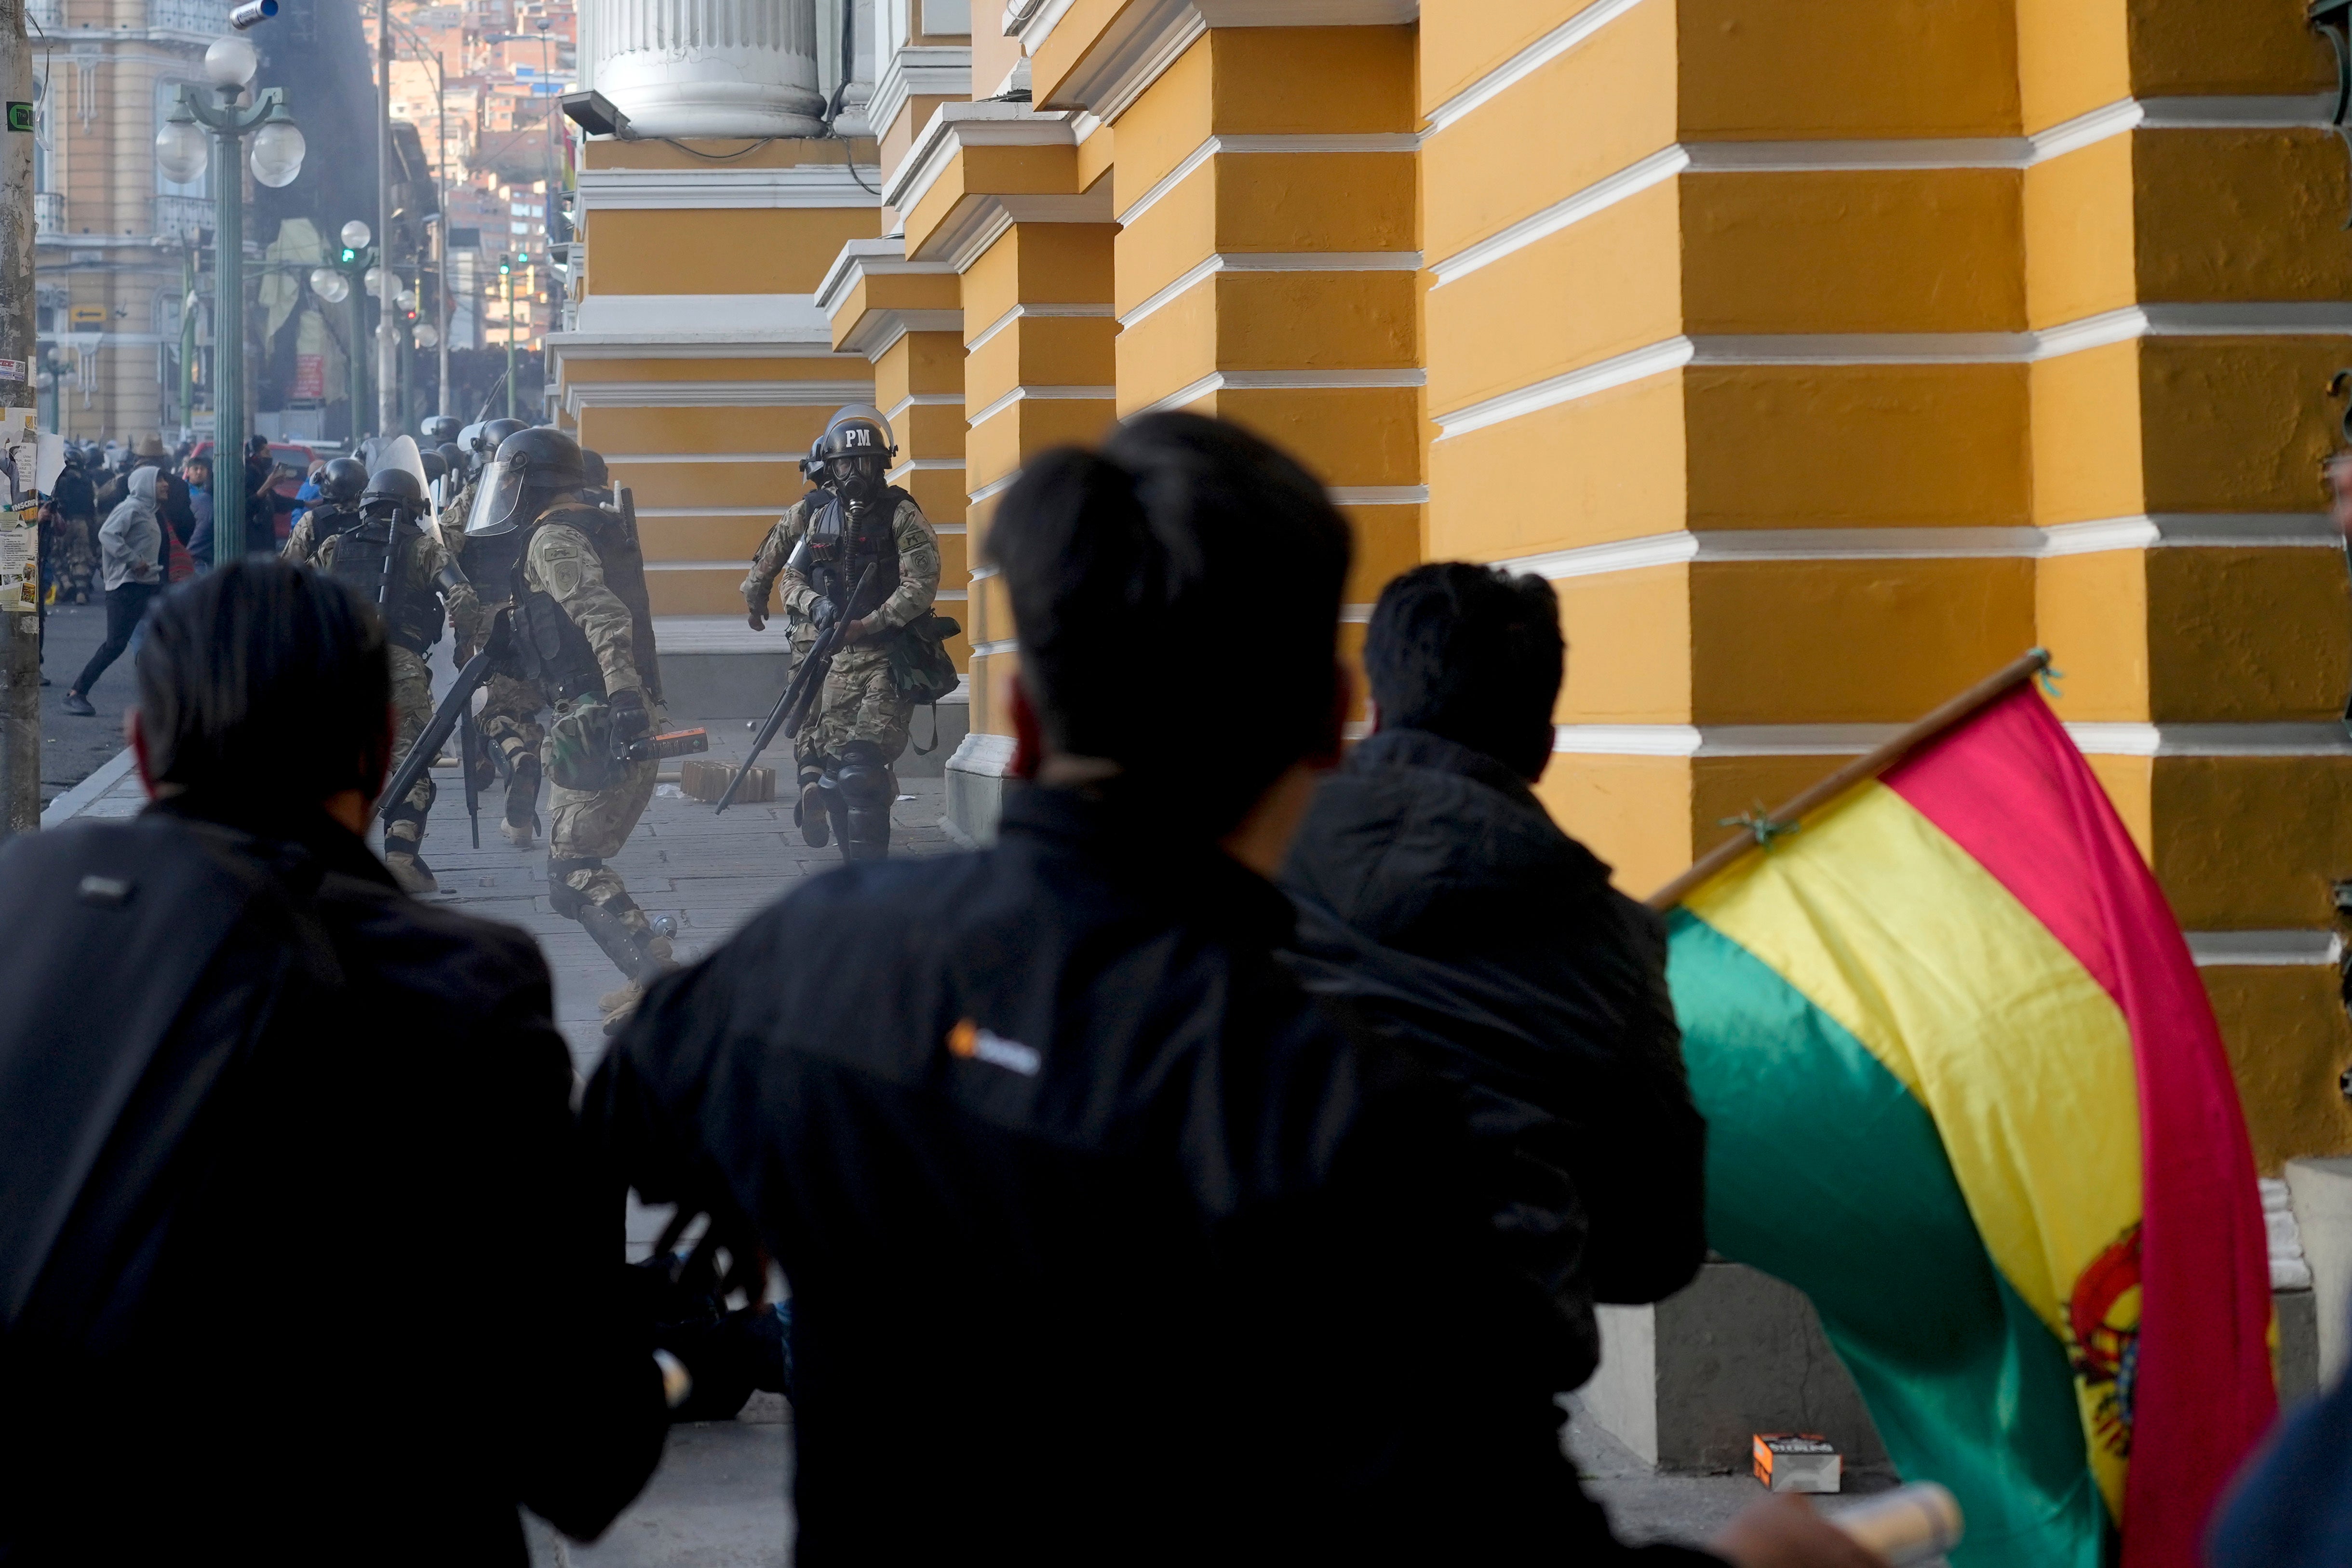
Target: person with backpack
{"x": 302, "y": 1258}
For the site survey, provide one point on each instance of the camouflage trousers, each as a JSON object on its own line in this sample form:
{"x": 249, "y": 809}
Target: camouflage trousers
{"x": 509, "y": 719}
{"x": 510, "y": 716}
{"x": 79, "y": 556}
{"x": 859, "y": 701}
{"x": 586, "y": 826}
{"x": 412, "y": 706}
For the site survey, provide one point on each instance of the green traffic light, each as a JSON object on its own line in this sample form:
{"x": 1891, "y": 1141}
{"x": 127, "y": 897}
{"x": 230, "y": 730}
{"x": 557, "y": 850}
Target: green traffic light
{"x": 349, "y": 255}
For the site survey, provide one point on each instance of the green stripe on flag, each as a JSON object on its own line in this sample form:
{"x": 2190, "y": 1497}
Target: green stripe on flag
{"x": 1823, "y": 1171}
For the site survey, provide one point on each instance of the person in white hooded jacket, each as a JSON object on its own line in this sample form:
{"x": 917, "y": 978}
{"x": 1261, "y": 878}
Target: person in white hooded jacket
{"x": 130, "y": 557}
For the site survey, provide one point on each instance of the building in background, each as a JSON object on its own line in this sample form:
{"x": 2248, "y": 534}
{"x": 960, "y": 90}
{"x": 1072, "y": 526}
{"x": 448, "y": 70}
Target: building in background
{"x": 117, "y": 248}
{"x": 120, "y": 251}
{"x": 1825, "y": 357}
{"x": 479, "y": 82}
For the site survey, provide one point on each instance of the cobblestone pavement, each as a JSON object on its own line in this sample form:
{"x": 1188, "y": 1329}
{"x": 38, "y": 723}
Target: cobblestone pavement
{"x": 720, "y": 1498}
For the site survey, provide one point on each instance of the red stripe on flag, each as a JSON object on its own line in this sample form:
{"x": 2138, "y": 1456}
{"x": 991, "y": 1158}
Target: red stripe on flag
{"x": 2010, "y": 788}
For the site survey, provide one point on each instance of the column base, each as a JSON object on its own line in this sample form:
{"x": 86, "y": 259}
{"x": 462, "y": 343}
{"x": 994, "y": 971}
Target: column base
{"x": 975, "y": 789}
{"x": 1688, "y": 1383}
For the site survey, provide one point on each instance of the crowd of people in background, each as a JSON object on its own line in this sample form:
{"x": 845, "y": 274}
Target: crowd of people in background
{"x": 122, "y": 522}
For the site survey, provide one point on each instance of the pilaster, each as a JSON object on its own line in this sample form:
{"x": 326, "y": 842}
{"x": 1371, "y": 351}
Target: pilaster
{"x": 992, "y": 191}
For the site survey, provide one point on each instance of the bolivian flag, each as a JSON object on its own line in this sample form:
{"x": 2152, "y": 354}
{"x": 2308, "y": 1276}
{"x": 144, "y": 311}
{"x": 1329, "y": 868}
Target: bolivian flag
{"x": 1964, "y": 1089}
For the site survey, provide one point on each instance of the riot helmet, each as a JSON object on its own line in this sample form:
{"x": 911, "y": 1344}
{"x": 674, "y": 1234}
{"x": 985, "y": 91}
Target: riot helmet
{"x": 434, "y": 467}
{"x": 592, "y": 472}
{"x": 493, "y": 435}
{"x": 467, "y": 437}
{"x": 343, "y": 481}
{"x": 533, "y": 467}
{"x": 437, "y": 429}
{"x": 855, "y": 452}
{"x": 453, "y": 457}
{"x": 395, "y": 490}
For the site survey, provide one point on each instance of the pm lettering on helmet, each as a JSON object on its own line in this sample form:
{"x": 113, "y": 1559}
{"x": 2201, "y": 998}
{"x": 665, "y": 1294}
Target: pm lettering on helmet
{"x": 857, "y": 436}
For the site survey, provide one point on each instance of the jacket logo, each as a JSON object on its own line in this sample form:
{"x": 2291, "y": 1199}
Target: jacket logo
{"x": 973, "y": 1043}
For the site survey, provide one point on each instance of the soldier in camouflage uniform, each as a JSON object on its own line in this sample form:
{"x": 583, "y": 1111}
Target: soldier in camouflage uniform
{"x": 383, "y": 553}
{"x": 816, "y": 554}
{"x": 510, "y": 705}
{"x": 578, "y": 639}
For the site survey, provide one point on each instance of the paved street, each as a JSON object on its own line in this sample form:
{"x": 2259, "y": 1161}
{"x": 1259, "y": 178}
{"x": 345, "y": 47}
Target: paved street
{"x": 72, "y": 749}
{"x": 719, "y": 1499}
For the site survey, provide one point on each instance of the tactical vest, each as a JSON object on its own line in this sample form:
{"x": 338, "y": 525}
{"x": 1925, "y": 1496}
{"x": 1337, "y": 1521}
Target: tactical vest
{"x": 493, "y": 562}
{"x": 842, "y": 543}
{"x": 361, "y": 560}
{"x": 548, "y": 644}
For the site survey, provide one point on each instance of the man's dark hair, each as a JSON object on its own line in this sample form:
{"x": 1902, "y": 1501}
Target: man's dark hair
{"x": 1176, "y": 594}
{"x": 265, "y": 684}
{"x": 1472, "y": 654}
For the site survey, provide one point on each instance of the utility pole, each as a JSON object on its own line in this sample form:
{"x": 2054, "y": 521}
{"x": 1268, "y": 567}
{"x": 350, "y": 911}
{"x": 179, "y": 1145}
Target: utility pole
{"x": 506, "y": 270}
{"x": 441, "y": 235}
{"x": 20, "y": 726}
{"x": 387, "y": 346}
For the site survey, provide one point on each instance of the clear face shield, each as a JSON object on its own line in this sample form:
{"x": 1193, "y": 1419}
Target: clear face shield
{"x": 406, "y": 455}
{"x": 498, "y": 500}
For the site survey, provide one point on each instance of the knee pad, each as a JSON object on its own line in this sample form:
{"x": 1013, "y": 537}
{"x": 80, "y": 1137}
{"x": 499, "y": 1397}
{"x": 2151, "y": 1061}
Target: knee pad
{"x": 567, "y": 899}
{"x": 865, "y": 778}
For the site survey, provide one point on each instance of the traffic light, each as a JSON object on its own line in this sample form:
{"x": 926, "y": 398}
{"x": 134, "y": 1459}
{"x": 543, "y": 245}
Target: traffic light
{"x": 505, "y": 266}
{"x": 349, "y": 255}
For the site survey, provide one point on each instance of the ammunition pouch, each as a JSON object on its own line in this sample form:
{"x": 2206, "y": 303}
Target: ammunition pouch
{"x": 580, "y": 750}
{"x": 919, "y": 666}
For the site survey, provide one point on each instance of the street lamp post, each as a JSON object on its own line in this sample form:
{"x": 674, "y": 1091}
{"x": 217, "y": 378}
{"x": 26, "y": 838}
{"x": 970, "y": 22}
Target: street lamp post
{"x": 181, "y": 153}
{"x": 506, "y": 272}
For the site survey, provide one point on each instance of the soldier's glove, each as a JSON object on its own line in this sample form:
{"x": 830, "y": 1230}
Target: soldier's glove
{"x": 630, "y": 720}
{"x": 825, "y": 613}
{"x": 758, "y": 618}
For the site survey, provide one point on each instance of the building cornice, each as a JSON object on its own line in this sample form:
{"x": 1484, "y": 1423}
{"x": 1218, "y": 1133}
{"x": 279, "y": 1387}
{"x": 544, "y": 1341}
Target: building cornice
{"x": 2097, "y": 739}
{"x": 919, "y": 71}
{"x": 2168, "y": 530}
{"x": 879, "y": 325}
{"x": 798, "y": 185}
{"x": 1148, "y": 35}
{"x": 953, "y": 127}
{"x": 697, "y": 327}
{"x": 822, "y": 393}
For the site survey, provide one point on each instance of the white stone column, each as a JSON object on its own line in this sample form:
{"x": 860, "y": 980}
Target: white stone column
{"x": 708, "y": 68}
{"x": 854, "y": 120}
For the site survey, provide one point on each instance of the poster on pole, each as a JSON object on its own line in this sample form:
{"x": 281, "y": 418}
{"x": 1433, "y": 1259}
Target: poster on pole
{"x": 20, "y": 511}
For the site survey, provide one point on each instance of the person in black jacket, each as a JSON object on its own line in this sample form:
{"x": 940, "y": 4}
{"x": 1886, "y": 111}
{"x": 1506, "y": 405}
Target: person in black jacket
{"x": 296, "y": 1264}
{"x": 1106, "y": 1243}
{"x": 1438, "y": 898}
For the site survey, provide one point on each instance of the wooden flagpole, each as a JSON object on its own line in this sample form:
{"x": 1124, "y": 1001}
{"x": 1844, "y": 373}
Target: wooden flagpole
{"x": 1867, "y": 765}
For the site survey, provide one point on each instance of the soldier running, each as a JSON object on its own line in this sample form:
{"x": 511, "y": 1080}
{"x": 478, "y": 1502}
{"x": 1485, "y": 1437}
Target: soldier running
{"x": 577, "y": 638}
{"x": 383, "y": 552}
{"x": 818, "y": 551}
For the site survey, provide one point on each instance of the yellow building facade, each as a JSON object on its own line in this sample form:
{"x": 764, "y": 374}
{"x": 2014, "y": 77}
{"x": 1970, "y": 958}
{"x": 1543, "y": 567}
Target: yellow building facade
{"x": 1823, "y": 357}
